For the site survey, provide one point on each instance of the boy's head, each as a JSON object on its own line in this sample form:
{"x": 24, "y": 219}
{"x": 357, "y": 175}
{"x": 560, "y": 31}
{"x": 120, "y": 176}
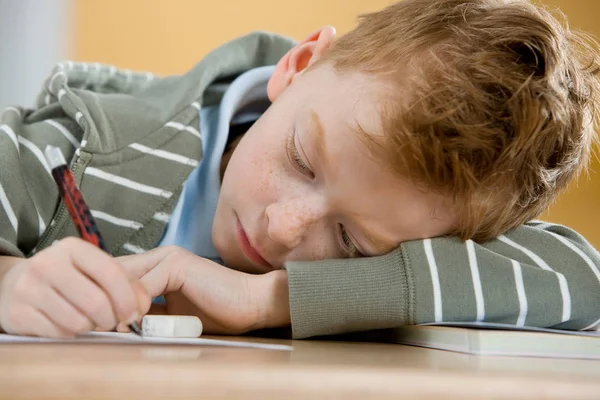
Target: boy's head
{"x": 490, "y": 101}
{"x": 432, "y": 117}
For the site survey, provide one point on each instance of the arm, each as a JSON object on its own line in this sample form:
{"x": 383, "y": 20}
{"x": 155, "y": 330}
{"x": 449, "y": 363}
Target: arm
{"x": 541, "y": 276}
{"x": 536, "y": 275}
{"x": 28, "y": 195}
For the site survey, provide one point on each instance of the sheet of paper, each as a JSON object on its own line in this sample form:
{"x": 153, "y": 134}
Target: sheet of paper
{"x": 131, "y": 338}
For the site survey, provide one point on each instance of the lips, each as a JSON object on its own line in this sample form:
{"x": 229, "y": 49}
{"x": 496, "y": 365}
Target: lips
{"x": 249, "y": 251}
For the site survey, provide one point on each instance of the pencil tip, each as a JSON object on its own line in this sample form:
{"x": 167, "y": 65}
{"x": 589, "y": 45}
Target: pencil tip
{"x": 135, "y": 328}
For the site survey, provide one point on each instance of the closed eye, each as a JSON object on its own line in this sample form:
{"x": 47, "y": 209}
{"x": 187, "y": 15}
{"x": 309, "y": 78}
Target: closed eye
{"x": 348, "y": 245}
{"x": 294, "y": 156}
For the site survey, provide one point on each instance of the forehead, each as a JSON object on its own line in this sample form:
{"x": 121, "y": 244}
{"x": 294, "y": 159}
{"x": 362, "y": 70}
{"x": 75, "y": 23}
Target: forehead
{"x": 349, "y": 99}
{"x": 388, "y": 208}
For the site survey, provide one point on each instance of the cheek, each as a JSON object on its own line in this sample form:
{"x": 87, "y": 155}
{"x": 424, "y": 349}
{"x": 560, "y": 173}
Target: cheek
{"x": 322, "y": 249}
{"x": 317, "y": 247}
{"x": 255, "y": 169}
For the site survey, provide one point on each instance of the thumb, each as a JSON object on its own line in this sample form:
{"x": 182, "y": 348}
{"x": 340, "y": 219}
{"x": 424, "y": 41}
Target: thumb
{"x": 144, "y": 302}
{"x": 144, "y": 299}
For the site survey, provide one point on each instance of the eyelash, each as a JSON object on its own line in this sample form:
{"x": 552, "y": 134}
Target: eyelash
{"x": 349, "y": 246}
{"x": 294, "y": 156}
{"x": 348, "y": 243}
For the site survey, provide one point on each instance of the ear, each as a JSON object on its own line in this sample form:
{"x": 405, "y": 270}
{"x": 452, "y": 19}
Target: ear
{"x": 298, "y": 58}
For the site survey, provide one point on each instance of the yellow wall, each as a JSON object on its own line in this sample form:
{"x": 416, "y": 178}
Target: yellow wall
{"x": 169, "y": 36}
{"x": 579, "y": 207}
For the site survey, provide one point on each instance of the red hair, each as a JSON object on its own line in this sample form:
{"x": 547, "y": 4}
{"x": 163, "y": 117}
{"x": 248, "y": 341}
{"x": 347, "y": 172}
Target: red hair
{"x": 492, "y": 102}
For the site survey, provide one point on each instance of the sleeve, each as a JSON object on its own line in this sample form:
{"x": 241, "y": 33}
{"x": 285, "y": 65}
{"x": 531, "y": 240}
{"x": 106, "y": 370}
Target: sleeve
{"x": 28, "y": 195}
{"x": 538, "y": 275}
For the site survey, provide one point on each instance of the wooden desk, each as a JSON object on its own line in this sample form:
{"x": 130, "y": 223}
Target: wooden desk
{"x": 314, "y": 369}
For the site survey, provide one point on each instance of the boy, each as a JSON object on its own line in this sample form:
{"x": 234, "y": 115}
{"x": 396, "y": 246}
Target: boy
{"x": 391, "y": 181}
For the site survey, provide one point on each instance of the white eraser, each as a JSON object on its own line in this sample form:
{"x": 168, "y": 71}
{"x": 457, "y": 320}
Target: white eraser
{"x": 171, "y": 326}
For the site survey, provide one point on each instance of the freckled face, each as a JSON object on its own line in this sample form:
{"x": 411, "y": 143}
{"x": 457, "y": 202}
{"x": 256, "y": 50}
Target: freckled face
{"x": 301, "y": 184}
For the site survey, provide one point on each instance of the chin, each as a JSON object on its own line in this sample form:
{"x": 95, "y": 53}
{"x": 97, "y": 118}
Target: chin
{"x": 230, "y": 259}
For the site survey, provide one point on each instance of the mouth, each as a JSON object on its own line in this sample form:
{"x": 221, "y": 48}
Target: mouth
{"x": 249, "y": 251}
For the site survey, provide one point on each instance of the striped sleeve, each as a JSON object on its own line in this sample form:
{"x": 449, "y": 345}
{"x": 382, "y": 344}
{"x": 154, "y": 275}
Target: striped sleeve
{"x": 539, "y": 275}
{"x": 28, "y": 194}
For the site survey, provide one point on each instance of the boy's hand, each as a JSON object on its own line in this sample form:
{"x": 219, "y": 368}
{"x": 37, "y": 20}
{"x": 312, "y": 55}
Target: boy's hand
{"x": 225, "y": 300}
{"x": 69, "y": 288}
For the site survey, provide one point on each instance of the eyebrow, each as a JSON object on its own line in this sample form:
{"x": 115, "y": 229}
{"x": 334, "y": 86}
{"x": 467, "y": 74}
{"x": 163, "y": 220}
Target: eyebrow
{"x": 317, "y": 133}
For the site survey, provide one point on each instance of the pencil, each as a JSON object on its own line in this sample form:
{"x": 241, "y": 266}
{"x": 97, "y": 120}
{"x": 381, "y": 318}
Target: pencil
{"x": 78, "y": 210}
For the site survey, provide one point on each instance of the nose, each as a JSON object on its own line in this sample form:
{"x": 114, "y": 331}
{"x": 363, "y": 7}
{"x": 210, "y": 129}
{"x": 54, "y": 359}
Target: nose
{"x": 289, "y": 222}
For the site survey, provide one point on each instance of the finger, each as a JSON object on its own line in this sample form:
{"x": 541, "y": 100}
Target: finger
{"x": 143, "y": 298}
{"x": 60, "y": 312}
{"x": 138, "y": 265}
{"x": 109, "y": 275}
{"x": 84, "y": 295}
{"x": 98, "y": 329}
{"x": 165, "y": 278}
{"x": 40, "y": 325}
{"x": 123, "y": 328}
{"x": 144, "y": 301}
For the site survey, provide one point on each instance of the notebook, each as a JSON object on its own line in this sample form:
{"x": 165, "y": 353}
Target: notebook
{"x": 502, "y": 340}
